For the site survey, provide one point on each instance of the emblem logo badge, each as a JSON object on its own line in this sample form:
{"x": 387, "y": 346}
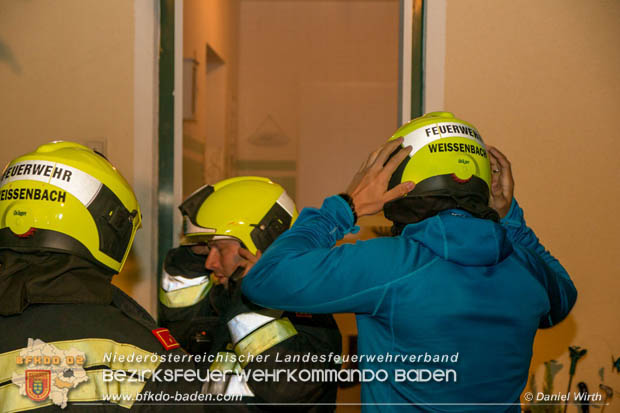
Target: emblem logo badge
{"x": 38, "y": 384}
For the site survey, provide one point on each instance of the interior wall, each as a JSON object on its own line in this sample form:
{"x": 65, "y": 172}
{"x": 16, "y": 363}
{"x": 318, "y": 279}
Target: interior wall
{"x": 210, "y": 31}
{"x": 67, "y": 72}
{"x": 317, "y": 80}
{"x": 540, "y": 81}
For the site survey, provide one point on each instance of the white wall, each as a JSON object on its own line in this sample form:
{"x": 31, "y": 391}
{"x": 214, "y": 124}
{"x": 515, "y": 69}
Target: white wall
{"x": 540, "y": 81}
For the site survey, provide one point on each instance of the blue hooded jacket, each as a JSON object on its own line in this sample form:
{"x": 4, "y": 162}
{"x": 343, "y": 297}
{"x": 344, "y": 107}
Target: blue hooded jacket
{"x": 451, "y": 293}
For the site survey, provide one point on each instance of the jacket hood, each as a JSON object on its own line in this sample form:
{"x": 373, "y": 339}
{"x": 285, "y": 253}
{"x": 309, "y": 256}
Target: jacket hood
{"x": 457, "y": 236}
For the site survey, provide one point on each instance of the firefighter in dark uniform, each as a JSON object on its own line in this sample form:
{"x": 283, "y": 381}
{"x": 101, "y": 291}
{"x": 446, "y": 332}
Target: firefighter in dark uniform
{"x": 70, "y": 339}
{"x": 226, "y": 227}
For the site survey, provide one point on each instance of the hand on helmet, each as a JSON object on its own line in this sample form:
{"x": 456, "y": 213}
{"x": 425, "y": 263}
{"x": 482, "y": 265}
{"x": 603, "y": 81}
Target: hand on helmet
{"x": 368, "y": 189}
{"x": 502, "y": 183}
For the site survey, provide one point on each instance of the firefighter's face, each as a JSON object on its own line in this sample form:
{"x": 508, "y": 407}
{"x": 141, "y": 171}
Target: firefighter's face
{"x": 223, "y": 259}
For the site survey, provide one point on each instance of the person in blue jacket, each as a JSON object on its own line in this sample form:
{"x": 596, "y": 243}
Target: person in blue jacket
{"x": 448, "y": 307}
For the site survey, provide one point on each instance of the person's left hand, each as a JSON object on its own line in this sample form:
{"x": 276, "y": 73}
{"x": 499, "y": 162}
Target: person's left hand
{"x": 368, "y": 190}
{"x": 502, "y": 182}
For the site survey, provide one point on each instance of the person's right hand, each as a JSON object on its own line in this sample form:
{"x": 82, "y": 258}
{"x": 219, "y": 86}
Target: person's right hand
{"x": 502, "y": 183}
{"x": 368, "y": 189}
{"x": 250, "y": 259}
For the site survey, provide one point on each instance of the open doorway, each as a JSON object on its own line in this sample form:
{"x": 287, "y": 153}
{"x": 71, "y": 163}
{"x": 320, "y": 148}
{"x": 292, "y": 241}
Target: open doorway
{"x": 299, "y": 91}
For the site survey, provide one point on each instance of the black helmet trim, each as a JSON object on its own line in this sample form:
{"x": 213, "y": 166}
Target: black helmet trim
{"x": 190, "y": 207}
{"x": 449, "y": 185}
{"x": 397, "y": 175}
{"x": 273, "y": 224}
{"x": 47, "y": 240}
{"x": 437, "y": 194}
{"x": 114, "y": 223}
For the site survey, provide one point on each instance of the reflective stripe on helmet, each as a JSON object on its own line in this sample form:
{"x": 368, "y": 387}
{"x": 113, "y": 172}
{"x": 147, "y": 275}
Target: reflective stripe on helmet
{"x": 287, "y": 203}
{"x": 421, "y": 137}
{"x": 79, "y": 184}
{"x": 190, "y": 229}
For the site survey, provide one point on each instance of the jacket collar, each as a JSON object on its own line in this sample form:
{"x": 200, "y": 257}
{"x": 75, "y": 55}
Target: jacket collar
{"x": 50, "y": 278}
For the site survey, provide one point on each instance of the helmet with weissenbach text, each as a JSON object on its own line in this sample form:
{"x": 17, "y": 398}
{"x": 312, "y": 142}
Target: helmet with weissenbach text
{"x": 64, "y": 197}
{"x": 449, "y": 165}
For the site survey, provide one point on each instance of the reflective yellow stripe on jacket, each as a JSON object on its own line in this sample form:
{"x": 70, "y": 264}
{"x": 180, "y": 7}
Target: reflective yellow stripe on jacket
{"x": 225, "y": 361}
{"x": 184, "y": 297}
{"x": 264, "y": 338}
{"x": 95, "y": 388}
